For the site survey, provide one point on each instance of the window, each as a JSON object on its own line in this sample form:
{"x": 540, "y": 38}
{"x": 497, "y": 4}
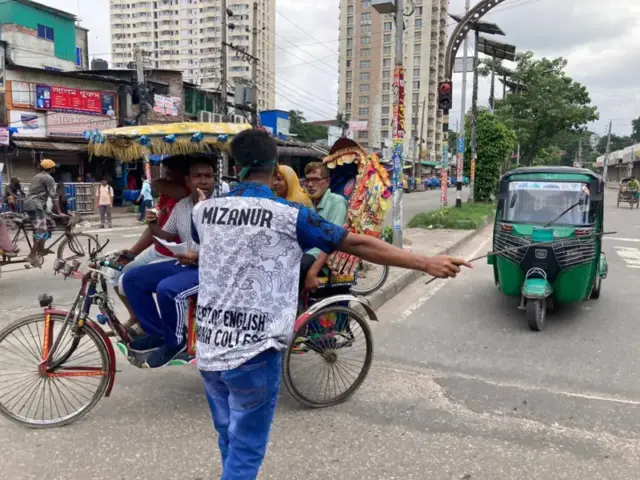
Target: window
{"x": 363, "y": 111}
{"x": 363, "y": 134}
{"x": 347, "y": 96}
{"x": 348, "y": 107}
{"x": 386, "y": 62}
{"x": 386, "y": 74}
{"x": 386, "y": 86}
{"x": 386, "y": 51}
{"x": 416, "y": 72}
{"x": 388, "y": 26}
{"x": 349, "y": 52}
{"x": 365, "y": 40}
{"x": 349, "y": 75}
{"x": 78, "y": 56}
{"x": 416, "y": 59}
{"x": 348, "y": 63}
{"x": 349, "y": 85}
{"x": 45, "y": 32}
{"x": 416, "y": 84}
{"x": 416, "y": 98}
{"x": 385, "y": 110}
{"x": 365, "y": 52}
{"x": 365, "y": 64}
{"x": 364, "y": 100}
{"x": 350, "y": 10}
{"x": 365, "y": 4}
{"x": 349, "y": 20}
{"x": 365, "y": 29}
{"x": 365, "y": 76}
{"x": 364, "y": 88}
{"x": 349, "y": 31}
{"x": 418, "y": 23}
{"x": 365, "y": 18}
{"x": 387, "y": 38}
{"x": 385, "y": 98}
{"x": 349, "y": 42}
{"x": 384, "y": 122}
{"x": 385, "y": 134}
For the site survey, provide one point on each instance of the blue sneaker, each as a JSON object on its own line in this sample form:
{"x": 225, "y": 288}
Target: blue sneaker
{"x": 164, "y": 355}
{"x": 146, "y": 343}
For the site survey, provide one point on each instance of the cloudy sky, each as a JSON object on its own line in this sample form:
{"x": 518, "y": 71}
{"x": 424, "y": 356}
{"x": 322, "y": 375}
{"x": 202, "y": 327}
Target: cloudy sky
{"x": 599, "y": 39}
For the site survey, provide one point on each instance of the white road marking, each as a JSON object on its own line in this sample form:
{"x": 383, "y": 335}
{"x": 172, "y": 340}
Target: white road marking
{"x": 631, "y": 256}
{"x": 618, "y": 239}
{"x": 436, "y": 286}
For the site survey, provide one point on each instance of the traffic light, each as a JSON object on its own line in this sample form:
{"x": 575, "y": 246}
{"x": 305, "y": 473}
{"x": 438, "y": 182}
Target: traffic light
{"x": 445, "y": 95}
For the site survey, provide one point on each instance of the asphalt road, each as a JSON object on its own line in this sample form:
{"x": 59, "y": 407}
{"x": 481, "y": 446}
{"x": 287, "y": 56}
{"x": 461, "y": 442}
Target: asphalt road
{"x": 460, "y": 389}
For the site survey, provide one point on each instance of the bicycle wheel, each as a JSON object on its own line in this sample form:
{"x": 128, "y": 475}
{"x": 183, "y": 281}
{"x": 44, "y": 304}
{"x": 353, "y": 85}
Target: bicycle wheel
{"x": 330, "y": 357}
{"x": 40, "y": 400}
{"x": 77, "y": 245}
{"x": 369, "y": 278}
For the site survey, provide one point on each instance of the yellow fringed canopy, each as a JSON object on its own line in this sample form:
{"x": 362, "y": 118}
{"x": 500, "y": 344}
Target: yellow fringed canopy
{"x": 125, "y": 143}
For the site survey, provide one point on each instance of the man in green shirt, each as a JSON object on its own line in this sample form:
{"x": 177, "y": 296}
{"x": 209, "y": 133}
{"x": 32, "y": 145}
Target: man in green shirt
{"x": 328, "y": 205}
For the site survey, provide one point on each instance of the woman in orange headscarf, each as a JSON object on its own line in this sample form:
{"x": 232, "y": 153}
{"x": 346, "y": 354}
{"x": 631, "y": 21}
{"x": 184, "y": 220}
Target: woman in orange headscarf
{"x": 286, "y": 185}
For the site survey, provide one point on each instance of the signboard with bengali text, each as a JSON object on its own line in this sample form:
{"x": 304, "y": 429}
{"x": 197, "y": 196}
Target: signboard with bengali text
{"x": 75, "y": 100}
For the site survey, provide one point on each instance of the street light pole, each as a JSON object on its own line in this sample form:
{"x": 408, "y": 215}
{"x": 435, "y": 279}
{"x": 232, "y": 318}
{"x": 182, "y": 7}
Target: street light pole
{"x": 474, "y": 117}
{"x": 398, "y": 125}
{"x": 462, "y": 132}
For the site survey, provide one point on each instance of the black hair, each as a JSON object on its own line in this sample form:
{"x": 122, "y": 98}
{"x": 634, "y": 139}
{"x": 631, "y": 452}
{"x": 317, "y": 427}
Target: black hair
{"x": 183, "y": 163}
{"x": 255, "y": 149}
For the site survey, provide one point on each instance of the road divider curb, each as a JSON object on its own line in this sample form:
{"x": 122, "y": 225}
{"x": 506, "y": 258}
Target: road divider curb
{"x": 395, "y": 286}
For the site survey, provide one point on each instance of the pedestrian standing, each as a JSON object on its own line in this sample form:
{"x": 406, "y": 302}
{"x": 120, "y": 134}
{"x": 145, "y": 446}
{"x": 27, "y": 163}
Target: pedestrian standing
{"x": 105, "y": 202}
{"x": 62, "y": 198}
{"x": 146, "y": 198}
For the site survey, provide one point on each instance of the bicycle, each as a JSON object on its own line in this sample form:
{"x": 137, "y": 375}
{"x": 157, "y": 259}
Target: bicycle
{"x": 71, "y": 363}
{"x": 70, "y": 243}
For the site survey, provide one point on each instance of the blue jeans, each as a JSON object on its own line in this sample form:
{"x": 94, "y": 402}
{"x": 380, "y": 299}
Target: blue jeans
{"x": 173, "y": 285}
{"x": 243, "y": 404}
{"x": 144, "y": 204}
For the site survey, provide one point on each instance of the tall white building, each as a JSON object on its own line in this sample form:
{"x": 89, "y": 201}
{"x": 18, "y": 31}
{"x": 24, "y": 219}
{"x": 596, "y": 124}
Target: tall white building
{"x": 367, "y": 47}
{"x": 186, "y": 35}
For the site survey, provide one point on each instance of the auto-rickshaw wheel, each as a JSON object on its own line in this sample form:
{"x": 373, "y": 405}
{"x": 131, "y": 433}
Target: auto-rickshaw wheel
{"x": 536, "y": 314}
{"x": 597, "y": 285}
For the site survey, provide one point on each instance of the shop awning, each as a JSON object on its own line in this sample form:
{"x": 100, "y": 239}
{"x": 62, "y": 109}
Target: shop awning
{"x": 299, "y": 152}
{"x": 51, "y": 146}
{"x": 429, "y": 164}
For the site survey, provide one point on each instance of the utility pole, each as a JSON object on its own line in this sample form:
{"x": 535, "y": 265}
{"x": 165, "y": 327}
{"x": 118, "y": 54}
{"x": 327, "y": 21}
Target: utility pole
{"x": 398, "y": 125}
{"x": 223, "y": 91}
{"x": 580, "y": 154}
{"x": 463, "y": 109}
{"x": 606, "y": 153}
{"x": 424, "y": 107}
{"x": 518, "y": 156}
{"x": 142, "y": 87}
{"x": 493, "y": 84}
{"x": 474, "y": 117}
{"x": 254, "y": 66}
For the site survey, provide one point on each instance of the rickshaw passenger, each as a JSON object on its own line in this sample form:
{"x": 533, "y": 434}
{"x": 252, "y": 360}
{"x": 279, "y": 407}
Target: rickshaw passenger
{"x": 287, "y": 185}
{"x": 328, "y": 205}
{"x": 173, "y": 283}
{"x": 146, "y": 250}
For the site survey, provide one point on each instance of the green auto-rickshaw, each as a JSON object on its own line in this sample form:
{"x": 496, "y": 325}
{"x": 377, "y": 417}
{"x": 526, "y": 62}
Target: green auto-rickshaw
{"x": 547, "y": 238}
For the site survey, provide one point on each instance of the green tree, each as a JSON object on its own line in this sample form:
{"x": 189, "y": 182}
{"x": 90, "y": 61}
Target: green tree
{"x": 617, "y": 143}
{"x": 495, "y": 143}
{"x": 635, "y": 130}
{"x": 304, "y": 131}
{"x": 549, "y": 103}
{"x": 453, "y": 141}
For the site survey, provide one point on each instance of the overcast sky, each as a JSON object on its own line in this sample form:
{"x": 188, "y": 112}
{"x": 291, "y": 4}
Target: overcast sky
{"x": 599, "y": 39}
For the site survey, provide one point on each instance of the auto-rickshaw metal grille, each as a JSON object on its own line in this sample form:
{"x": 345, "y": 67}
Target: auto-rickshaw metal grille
{"x": 574, "y": 251}
{"x": 505, "y": 241}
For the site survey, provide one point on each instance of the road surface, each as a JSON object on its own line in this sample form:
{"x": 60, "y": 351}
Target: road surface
{"x": 418, "y": 202}
{"x": 460, "y": 390}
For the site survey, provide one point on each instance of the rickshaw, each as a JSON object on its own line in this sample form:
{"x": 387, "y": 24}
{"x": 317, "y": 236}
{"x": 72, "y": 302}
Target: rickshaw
{"x": 629, "y": 191}
{"x": 71, "y": 353}
{"x": 547, "y": 238}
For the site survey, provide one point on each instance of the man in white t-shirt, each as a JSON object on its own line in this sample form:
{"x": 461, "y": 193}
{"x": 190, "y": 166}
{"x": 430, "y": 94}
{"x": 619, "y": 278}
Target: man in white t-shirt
{"x": 105, "y": 202}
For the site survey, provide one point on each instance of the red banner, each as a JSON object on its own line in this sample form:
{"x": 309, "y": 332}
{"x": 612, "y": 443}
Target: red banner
{"x": 74, "y": 100}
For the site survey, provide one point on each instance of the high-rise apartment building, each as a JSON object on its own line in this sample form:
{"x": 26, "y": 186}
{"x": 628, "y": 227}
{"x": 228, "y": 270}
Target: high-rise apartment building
{"x": 186, "y": 35}
{"x": 367, "y": 47}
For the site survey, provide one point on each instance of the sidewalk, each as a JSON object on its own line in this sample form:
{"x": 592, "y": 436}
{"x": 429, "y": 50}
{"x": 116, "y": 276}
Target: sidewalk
{"x": 120, "y": 216}
{"x": 424, "y": 242}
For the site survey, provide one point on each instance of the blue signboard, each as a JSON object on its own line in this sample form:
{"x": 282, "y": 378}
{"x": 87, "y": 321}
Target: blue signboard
{"x": 461, "y": 145}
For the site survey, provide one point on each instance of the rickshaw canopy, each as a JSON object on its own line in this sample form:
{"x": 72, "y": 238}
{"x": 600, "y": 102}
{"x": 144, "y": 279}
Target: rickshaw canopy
{"x": 129, "y": 144}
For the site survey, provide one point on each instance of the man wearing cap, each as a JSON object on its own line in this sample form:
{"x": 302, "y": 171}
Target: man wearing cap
{"x": 42, "y": 187}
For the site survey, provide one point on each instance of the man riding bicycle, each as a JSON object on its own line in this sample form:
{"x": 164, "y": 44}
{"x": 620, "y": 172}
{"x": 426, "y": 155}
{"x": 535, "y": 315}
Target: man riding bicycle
{"x": 42, "y": 188}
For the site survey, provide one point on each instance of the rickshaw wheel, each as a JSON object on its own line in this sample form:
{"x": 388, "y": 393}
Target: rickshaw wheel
{"x": 536, "y": 314}
{"x": 335, "y": 348}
